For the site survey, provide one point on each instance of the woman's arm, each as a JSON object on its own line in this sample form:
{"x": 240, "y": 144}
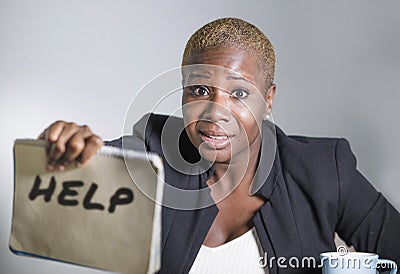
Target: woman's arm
{"x": 69, "y": 142}
{"x": 366, "y": 219}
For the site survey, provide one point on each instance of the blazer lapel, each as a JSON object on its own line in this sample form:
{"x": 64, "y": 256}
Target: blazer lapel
{"x": 185, "y": 237}
{"x": 183, "y": 231}
{"x": 277, "y": 218}
{"x": 274, "y": 222}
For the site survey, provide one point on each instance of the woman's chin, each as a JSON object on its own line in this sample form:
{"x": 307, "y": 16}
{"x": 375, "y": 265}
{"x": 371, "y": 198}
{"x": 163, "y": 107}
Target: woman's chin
{"x": 215, "y": 155}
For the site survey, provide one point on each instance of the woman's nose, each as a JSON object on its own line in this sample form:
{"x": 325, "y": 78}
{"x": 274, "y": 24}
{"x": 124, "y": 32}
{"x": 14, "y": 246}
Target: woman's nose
{"x": 217, "y": 108}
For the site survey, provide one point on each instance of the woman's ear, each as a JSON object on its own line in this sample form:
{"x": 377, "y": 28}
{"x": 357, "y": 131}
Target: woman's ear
{"x": 269, "y": 100}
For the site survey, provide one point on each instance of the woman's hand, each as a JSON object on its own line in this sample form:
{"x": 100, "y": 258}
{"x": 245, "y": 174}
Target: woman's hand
{"x": 68, "y": 143}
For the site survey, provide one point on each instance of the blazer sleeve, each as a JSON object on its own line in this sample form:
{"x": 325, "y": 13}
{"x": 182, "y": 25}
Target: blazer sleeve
{"x": 136, "y": 141}
{"x": 366, "y": 219}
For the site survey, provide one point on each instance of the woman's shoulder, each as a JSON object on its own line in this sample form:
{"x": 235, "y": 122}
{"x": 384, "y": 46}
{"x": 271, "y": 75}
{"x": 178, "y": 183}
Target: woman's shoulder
{"x": 315, "y": 159}
{"x": 155, "y": 122}
{"x": 310, "y": 146}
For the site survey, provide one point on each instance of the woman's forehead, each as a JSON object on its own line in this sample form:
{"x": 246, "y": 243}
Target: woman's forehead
{"x": 231, "y": 64}
{"x": 204, "y": 73}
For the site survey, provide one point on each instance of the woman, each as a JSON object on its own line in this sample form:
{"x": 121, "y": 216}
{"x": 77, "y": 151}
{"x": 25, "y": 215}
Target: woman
{"x": 286, "y": 198}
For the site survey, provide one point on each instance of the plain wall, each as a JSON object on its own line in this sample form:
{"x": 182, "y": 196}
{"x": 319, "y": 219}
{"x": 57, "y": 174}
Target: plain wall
{"x": 338, "y": 67}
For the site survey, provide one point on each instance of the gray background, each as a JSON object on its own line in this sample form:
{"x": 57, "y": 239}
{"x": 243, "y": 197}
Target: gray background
{"x": 338, "y": 67}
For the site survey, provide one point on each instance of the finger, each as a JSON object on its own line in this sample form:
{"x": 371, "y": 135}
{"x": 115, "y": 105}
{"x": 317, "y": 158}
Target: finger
{"x": 92, "y": 145}
{"x": 76, "y": 144}
{"x": 53, "y": 132}
{"x": 42, "y": 135}
{"x": 57, "y": 149}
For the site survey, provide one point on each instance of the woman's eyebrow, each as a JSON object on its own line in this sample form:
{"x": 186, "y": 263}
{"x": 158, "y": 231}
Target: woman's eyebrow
{"x": 237, "y": 77}
{"x": 194, "y": 76}
{"x": 198, "y": 75}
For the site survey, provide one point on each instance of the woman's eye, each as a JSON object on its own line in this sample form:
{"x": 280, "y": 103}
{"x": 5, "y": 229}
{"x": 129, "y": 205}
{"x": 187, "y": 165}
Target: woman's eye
{"x": 240, "y": 93}
{"x": 200, "y": 91}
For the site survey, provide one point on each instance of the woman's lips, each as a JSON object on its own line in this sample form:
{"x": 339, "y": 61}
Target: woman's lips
{"x": 216, "y": 140}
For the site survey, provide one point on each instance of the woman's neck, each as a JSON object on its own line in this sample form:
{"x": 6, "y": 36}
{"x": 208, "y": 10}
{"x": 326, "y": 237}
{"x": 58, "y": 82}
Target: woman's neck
{"x": 237, "y": 174}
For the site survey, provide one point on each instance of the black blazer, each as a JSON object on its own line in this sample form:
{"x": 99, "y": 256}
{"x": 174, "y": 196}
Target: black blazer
{"x": 313, "y": 190}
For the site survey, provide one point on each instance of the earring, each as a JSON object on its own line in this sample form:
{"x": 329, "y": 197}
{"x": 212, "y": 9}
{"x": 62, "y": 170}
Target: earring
{"x": 267, "y": 114}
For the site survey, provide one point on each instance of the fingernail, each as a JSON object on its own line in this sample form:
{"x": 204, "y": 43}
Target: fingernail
{"x": 49, "y": 167}
{"x": 60, "y": 167}
{"x": 78, "y": 164}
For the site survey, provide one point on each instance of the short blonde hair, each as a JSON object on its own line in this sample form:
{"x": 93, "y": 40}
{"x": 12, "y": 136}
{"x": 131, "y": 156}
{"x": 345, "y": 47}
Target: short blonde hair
{"x": 234, "y": 33}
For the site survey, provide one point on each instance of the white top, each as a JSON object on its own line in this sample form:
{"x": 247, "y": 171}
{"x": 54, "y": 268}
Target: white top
{"x": 241, "y": 255}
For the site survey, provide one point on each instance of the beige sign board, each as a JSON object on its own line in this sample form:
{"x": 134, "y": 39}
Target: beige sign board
{"x": 94, "y": 215}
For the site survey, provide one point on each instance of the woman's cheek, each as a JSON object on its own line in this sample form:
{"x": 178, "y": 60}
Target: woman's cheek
{"x": 249, "y": 122}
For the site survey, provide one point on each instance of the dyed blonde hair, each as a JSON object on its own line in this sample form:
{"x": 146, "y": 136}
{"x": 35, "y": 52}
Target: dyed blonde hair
{"x": 234, "y": 33}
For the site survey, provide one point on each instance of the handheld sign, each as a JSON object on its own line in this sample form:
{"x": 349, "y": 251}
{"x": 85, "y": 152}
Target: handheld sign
{"x": 94, "y": 215}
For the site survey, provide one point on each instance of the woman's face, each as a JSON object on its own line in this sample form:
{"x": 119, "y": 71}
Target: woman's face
{"x": 224, "y": 102}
